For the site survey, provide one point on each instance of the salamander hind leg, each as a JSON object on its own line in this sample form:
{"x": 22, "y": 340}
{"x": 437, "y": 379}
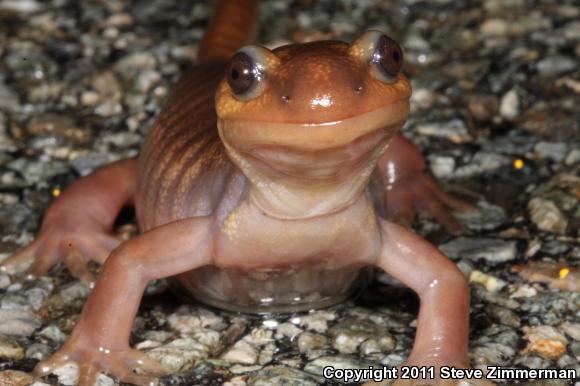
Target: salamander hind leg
{"x": 76, "y": 227}
{"x": 410, "y": 188}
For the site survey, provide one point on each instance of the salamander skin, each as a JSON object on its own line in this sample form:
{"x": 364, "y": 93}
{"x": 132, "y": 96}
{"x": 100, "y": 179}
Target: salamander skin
{"x": 292, "y": 159}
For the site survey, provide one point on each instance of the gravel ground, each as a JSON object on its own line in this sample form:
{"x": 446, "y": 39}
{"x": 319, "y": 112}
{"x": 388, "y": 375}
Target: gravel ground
{"x": 496, "y": 110}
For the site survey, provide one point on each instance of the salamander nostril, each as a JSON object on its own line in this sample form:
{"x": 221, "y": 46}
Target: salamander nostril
{"x": 359, "y": 89}
{"x": 286, "y": 98}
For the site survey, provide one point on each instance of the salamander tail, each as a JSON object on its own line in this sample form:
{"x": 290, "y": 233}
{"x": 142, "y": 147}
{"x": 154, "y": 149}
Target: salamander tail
{"x": 234, "y": 24}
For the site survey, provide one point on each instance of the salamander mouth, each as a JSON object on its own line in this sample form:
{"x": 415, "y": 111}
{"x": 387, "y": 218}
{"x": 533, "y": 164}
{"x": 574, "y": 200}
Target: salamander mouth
{"x": 317, "y": 152}
{"x": 325, "y": 164}
{"x": 244, "y": 134}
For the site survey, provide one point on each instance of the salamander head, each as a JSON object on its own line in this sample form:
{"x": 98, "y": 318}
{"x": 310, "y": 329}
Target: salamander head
{"x": 314, "y": 111}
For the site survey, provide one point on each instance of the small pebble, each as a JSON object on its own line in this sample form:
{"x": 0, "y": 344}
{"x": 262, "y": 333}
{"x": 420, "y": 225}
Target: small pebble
{"x": 4, "y": 281}
{"x": 259, "y": 337}
{"x": 524, "y": 291}
{"x": 573, "y": 157}
{"x": 68, "y": 376}
{"x": 492, "y": 250}
{"x": 348, "y": 334}
{"x": 555, "y": 151}
{"x": 308, "y": 341}
{"x": 441, "y": 166}
{"x": 491, "y": 353}
{"x": 491, "y": 283}
{"x": 288, "y": 330}
{"x": 494, "y": 27}
{"x": 267, "y": 353}
{"x": 10, "y": 349}
{"x": 242, "y": 352}
{"x": 338, "y": 362}
{"x": 39, "y": 351}
{"x": 318, "y": 320}
{"x": 15, "y": 378}
{"x": 546, "y": 341}
{"x": 487, "y": 217}
{"x": 556, "y": 65}
{"x": 509, "y": 107}
{"x": 454, "y": 130}
{"x": 179, "y": 355}
{"x": 546, "y": 215}
{"x": 571, "y": 329}
{"x": 283, "y": 375}
{"x": 18, "y": 322}
{"x": 21, "y": 6}
{"x": 53, "y": 333}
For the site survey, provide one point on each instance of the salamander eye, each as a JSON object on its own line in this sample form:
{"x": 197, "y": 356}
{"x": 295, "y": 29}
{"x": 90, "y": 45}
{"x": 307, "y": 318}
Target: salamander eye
{"x": 241, "y": 73}
{"x": 381, "y": 53}
{"x": 388, "y": 56}
{"x": 246, "y": 72}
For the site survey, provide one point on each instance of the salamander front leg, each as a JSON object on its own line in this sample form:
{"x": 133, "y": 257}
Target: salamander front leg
{"x": 100, "y": 340}
{"x": 443, "y": 322}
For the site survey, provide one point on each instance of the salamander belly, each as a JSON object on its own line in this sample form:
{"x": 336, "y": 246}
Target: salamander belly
{"x": 268, "y": 265}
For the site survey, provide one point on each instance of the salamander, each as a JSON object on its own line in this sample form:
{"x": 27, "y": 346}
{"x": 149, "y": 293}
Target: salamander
{"x": 262, "y": 160}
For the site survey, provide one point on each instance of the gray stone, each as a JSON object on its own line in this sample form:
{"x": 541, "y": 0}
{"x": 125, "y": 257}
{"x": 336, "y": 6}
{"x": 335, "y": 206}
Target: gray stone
{"x": 179, "y": 355}
{"x": 73, "y": 292}
{"x": 491, "y": 354}
{"x": 571, "y": 329}
{"x": 317, "y": 320}
{"x": 21, "y": 6}
{"x": 36, "y": 171}
{"x": 572, "y": 30}
{"x": 53, "y": 333}
{"x": 10, "y": 349}
{"x": 288, "y": 330}
{"x": 282, "y": 375}
{"x": 488, "y": 217}
{"x": 509, "y": 107}
{"x": 241, "y": 352}
{"x": 68, "y": 376}
{"x": 442, "y": 166}
{"x": 38, "y": 351}
{"x": 18, "y": 322}
{"x": 454, "y": 130}
{"x": 338, "y": 362}
{"x": 494, "y": 27}
{"x": 556, "y": 65}
{"x": 16, "y": 378}
{"x": 555, "y": 151}
{"x": 348, "y": 334}
{"x": 308, "y": 341}
{"x": 4, "y": 281}
{"x": 482, "y": 162}
{"x": 547, "y": 216}
{"x": 492, "y": 250}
